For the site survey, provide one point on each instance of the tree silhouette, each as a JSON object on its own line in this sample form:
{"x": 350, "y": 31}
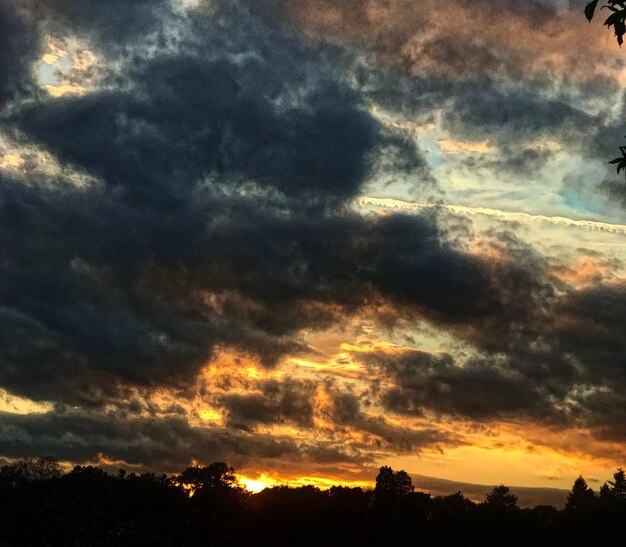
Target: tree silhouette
{"x": 501, "y": 498}
{"x": 392, "y": 484}
{"x": 89, "y": 506}
{"x": 215, "y": 476}
{"x": 618, "y": 485}
{"x": 581, "y": 497}
{"x": 605, "y": 496}
{"x": 41, "y": 469}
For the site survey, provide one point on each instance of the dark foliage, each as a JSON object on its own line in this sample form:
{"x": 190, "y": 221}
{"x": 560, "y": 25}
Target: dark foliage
{"x": 617, "y": 20}
{"x": 206, "y": 506}
{"x": 581, "y": 498}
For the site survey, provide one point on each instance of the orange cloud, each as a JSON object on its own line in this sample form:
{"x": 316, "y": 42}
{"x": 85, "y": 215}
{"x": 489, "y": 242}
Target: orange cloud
{"x": 450, "y": 146}
{"x": 418, "y": 37}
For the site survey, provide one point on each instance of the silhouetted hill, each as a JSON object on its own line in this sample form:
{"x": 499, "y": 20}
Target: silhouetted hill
{"x": 527, "y": 496}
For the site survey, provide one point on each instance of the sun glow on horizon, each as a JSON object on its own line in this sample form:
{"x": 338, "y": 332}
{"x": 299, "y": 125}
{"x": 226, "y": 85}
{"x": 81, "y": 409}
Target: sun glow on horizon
{"x": 266, "y": 480}
{"x": 255, "y": 486}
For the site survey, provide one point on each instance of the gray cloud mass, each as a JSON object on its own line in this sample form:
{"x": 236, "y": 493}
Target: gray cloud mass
{"x": 224, "y": 159}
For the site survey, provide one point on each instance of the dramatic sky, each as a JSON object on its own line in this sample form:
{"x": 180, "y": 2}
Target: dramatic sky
{"x": 313, "y": 237}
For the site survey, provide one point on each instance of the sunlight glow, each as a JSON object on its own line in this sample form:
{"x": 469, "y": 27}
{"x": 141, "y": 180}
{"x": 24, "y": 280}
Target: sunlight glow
{"x": 450, "y": 146}
{"x": 265, "y": 480}
{"x": 62, "y": 90}
{"x": 262, "y": 482}
{"x": 210, "y": 415}
{"x": 11, "y": 161}
{"x": 19, "y": 405}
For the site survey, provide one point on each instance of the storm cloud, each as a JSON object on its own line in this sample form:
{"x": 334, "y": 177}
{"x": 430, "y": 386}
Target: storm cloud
{"x": 215, "y": 205}
{"x": 205, "y": 203}
{"x": 566, "y": 373}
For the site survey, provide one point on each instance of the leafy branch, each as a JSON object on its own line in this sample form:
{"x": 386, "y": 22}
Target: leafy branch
{"x": 620, "y": 161}
{"x": 617, "y": 19}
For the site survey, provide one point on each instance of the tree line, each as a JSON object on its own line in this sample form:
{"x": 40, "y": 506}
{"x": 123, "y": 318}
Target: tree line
{"x": 205, "y": 505}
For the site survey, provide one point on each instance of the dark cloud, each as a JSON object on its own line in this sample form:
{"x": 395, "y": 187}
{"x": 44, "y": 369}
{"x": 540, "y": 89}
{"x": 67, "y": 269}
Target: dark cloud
{"x": 567, "y": 371}
{"x": 484, "y": 108}
{"x": 346, "y": 412}
{"x": 477, "y": 390}
{"x": 276, "y": 402}
{"x": 164, "y": 443}
{"x": 511, "y": 160}
{"x": 224, "y": 152}
{"x": 155, "y": 443}
{"x": 346, "y": 409}
{"x": 218, "y": 218}
{"x": 506, "y": 72}
{"x": 590, "y": 325}
{"x": 414, "y": 266}
{"x": 113, "y": 25}
{"x": 186, "y": 117}
{"x": 139, "y": 277}
{"x": 18, "y": 49}
{"x": 95, "y": 289}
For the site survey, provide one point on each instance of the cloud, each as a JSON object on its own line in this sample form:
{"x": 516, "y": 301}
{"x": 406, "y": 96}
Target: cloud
{"x": 450, "y": 146}
{"x": 346, "y": 412}
{"x": 114, "y": 25}
{"x": 222, "y": 153}
{"x": 563, "y": 369}
{"x": 502, "y": 72}
{"x": 519, "y": 41}
{"x": 480, "y": 389}
{"x": 17, "y": 51}
{"x": 212, "y": 120}
{"x": 486, "y": 109}
{"x": 217, "y": 217}
{"x": 149, "y": 301}
{"x": 163, "y": 443}
{"x": 288, "y": 400}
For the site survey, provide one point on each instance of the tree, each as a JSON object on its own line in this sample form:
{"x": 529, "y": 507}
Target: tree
{"x": 215, "y": 476}
{"x": 618, "y": 485}
{"x": 393, "y": 485}
{"x": 501, "y": 498}
{"x": 614, "y": 490}
{"x": 581, "y": 497}
{"x": 605, "y": 496}
{"x": 452, "y": 506}
{"x": 29, "y": 470}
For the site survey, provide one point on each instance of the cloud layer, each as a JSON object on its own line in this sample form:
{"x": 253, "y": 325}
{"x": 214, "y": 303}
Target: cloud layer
{"x": 204, "y": 204}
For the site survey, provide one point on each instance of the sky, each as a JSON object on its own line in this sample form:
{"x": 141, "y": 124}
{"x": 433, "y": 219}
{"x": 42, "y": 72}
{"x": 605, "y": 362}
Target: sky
{"x": 312, "y": 237}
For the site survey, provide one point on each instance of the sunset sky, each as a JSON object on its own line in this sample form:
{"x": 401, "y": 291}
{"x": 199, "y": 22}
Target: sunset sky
{"x": 313, "y": 237}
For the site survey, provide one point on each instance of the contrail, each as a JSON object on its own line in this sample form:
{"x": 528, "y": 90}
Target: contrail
{"x": 389, "y": 203}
